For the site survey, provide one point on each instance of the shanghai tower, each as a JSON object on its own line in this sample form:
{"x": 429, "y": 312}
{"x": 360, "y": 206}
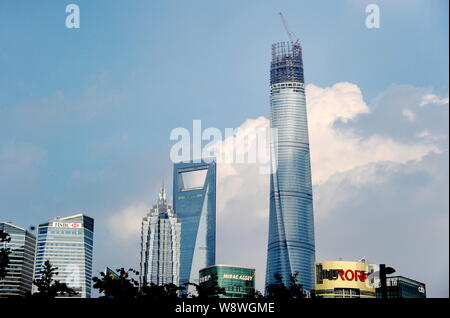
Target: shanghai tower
{"x": 291, "y": 247}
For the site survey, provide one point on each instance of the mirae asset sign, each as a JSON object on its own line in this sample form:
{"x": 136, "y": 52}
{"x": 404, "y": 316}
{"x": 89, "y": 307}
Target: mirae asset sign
{"x": 240, "y": 277}
{"x": 66, "y": 225}
{"x": 228, "y": 276}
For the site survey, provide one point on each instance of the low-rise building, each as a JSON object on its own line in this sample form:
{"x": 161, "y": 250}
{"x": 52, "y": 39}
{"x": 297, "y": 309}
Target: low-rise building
{"x": 237, "y": 281}
{"x": 403, "y": 287}
{"x": 342, "y": 279}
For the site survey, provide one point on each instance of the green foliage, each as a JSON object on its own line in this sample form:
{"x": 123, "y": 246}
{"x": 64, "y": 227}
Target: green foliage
{"x": 122, "y": 287}
{"x": 256, "y": 294}
{"x": 4, "y": 253}
{"x": 48, "y": 287}
{"x": 164, "y": 292}
{"x": 209, "y": 290}
{"x": 125, "y": 287}
{"x": 279, "y": 291}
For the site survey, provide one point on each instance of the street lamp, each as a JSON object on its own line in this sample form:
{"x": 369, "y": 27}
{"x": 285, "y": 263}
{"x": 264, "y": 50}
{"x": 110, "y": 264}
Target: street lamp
{"x": 383, "y": 272}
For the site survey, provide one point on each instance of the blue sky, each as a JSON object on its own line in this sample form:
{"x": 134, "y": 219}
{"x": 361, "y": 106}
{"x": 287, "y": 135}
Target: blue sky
{"x": 85, "y": 114}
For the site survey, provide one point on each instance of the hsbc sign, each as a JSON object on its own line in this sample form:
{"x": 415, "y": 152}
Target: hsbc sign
{"x": 67, "y": 225}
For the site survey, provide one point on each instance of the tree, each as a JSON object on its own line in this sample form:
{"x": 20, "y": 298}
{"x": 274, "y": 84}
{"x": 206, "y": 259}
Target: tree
{"x": 4, "y": 253}
{"x": 295, "y": 289}
{"x": 210, "y": 289}
{"x": 255, "y": 294}
{"x": 121, "y": 287}
{"x": 48, "y": 287}
{"x": 165, "y": 292}
{"x": 280, "y": 291}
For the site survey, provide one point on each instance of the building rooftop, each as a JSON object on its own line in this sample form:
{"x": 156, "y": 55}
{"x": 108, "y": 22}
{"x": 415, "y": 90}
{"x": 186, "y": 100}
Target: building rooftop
{"x": 224, "y": 265}
{"x": 406, "y": 279}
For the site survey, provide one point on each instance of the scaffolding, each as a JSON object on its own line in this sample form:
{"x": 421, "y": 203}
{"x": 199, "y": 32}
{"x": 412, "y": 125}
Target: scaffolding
{"x": 287, "y": 64}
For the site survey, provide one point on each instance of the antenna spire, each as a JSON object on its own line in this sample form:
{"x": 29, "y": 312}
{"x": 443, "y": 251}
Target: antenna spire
{"x": 162, "y": 193}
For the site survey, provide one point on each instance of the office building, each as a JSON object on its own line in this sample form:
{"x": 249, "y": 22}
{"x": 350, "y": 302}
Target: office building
{"x": 19, "y": 272}
{"x": 160, "y": 244}
{"x": 237, "y": 281}
{"x": 67, "y": 242}
{"x": 342, "y": 279}
{"x": 194, "y": 202}
{"x": 403, "y": 287}
{"x": 291, "y": 247}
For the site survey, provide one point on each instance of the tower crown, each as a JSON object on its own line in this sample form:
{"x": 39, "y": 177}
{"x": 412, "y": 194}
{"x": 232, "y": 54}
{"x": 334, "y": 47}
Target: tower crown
{"x": 162, "y": 194}
{"x": 287, "y": 63}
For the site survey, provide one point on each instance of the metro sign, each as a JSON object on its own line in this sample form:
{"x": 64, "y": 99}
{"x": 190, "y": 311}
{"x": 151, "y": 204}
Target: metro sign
{"x": 67, "y": 225}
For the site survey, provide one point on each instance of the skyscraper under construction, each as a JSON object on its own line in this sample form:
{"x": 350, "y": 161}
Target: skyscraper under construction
{"x": 291, "y": 247}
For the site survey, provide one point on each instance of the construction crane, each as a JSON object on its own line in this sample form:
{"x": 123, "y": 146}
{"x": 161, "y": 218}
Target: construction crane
{"x": 290, "y": 34}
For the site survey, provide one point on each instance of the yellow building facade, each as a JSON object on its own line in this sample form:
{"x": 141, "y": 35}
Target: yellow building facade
{"x": 342, "y": 279}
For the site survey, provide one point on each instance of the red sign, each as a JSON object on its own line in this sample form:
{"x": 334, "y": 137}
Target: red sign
{"x": 352, "y": 275}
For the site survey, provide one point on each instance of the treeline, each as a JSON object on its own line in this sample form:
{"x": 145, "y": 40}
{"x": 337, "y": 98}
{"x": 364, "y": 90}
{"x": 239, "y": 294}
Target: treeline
{"x": 123, "y": 285}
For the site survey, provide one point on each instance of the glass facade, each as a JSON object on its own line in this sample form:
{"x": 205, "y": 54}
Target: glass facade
{"x": 67, "y": 242}
{"x": 238, "y": 282}
{"x": 402, "y": 287}
{"x": 160, "y": 244}
{"x": 194, "y": 201}
{"x": 291, "y": 246}
{"x": 19, "y": 277}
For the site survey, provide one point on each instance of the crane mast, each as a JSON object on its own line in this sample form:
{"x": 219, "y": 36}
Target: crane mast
{"x": 290, "y": 34}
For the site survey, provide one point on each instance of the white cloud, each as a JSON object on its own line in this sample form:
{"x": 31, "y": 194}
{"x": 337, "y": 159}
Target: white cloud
{"x": 409, "y": 114}
{"x": 334, "y": 150}
{"x": 250, "y": 137}
{"x": 428, "y": 99}
{"x": 424, "y": 134}
{"x": 125, "y": 225}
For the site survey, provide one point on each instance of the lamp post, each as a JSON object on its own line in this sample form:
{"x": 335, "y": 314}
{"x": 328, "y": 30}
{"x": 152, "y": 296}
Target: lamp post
{"x": 383, "y": 272}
